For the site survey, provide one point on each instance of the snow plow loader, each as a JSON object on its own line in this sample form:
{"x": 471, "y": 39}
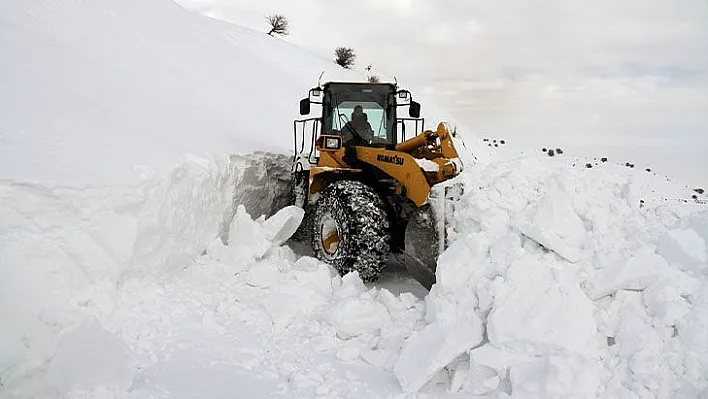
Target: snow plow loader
{"x": 368, "y": 191}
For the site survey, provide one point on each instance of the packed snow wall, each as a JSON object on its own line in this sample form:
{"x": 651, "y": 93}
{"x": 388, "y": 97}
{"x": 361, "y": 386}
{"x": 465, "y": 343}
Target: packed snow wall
{"x": 65, "y": 252}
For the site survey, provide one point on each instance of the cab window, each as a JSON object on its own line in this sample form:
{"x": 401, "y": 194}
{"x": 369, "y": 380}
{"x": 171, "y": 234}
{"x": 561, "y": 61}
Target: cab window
{"x": 376, "y": 117}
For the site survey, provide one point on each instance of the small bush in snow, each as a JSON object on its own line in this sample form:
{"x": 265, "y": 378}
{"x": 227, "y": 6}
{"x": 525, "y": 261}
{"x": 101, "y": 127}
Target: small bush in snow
{"x": 344, "y": 57}
{"x": 278, "y": 24}
{"x": 374, "y": 79}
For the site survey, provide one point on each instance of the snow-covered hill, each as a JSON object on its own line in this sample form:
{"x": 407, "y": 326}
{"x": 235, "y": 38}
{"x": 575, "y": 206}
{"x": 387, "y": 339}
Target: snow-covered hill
{"x": 563, "y": 281}
{"x": 104, "y": 93}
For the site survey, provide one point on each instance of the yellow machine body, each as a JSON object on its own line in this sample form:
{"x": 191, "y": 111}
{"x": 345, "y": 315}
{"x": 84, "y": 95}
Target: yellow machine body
{"x": 406, "y": 164}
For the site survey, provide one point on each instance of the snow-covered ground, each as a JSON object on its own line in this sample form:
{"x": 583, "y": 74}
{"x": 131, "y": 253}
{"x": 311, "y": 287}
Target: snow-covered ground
{"x": 563, "y": 280}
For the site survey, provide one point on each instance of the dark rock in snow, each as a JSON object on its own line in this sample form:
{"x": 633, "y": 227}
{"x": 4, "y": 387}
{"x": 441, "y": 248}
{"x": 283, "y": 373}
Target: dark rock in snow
{"x": 588, "y": 165}
{"x": 699, "y": 190}
{"x": 603, "y": 159}
{"x": 502, "y": 142}
{"x": 551, "y": 153}
{"x": 559, "y": 151}
{"x": 544, "y": 150}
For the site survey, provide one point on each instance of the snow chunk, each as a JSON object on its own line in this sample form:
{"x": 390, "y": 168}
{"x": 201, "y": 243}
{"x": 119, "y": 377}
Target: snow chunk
{"x": 351, "y": 286}
{"x": 683, "y": 246}
{"x": 483, "y": 379}
{"x": 555, "y": 377}
{"x": 354, "y": 317}
{"x": 247, "y": 234}
{"x": 497, "y": 359}
{"x": 427, "y": 165}
{"x": 307, "y": 263}
{"x": 635, "y": 273}
{"x": 528, "y": 310}
{"x": 699, "y": 223}
{"x": 458, "y": 262}
{"x": 666, "y": 300}
{"x": 428, "y": 351}
{"x": 88, "y": 357}
{"x": 693, "y": 333}
{"x": 555, "y": 225}
{"x": 280, "y": 227}
{"x": 319, "y": 279}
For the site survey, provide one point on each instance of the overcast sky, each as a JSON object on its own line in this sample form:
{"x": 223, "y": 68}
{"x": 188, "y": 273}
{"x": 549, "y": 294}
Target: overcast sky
{"x": 624, "y": 78}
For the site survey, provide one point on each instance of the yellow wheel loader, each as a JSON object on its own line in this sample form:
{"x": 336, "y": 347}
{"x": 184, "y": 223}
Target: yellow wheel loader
{"x": 369, "y": 191}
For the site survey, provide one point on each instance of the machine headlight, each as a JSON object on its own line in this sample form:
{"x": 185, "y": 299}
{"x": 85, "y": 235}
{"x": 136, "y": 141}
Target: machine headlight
{"x": 333, "y": 143}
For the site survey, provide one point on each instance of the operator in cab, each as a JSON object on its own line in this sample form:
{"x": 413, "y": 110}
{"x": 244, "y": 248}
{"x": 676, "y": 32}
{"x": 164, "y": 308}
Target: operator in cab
{"x": 359, "y": 127}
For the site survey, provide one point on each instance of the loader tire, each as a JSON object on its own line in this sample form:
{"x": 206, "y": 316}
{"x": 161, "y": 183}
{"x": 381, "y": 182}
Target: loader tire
{"x": 351, "y": 229}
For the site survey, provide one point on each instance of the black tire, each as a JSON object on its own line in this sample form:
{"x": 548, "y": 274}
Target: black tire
{"x": 357, "y": 213}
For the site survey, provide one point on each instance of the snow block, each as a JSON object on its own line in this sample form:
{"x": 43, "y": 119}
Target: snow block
{"x": 495, "y": 358}
{"x": 352, "y": 286}
{"x": 685, "y": 247}
{"x": 527, "y": 312}
{"x": 483, "y": 379}
{"x": 280, "y": 227}
{"x": 248, "y": 235}
{"x": 428, "y": 351}
{"x": 555, "y": 225}
{"x": 553, "y": 376}
{"x": 354, "y": 317}
{"x": 665, "y": 300}
{"x": 693, "y": 333}
{"x": 636, "y": 273}
{"x": 319, "y": 279}
{"x": 459, "y": 261}
{"x": 88, "y": 357}
{"x": 699, "y": 223}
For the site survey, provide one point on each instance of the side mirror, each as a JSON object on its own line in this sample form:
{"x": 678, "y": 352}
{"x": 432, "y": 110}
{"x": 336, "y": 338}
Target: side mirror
{"x": 305, "y": 106}
{"x": 414, "y": 109}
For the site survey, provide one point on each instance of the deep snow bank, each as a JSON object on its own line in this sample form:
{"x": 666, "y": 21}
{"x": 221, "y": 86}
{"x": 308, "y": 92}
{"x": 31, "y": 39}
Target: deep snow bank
{"x": 612, "y": 303}
{"x": 65, "y": 253}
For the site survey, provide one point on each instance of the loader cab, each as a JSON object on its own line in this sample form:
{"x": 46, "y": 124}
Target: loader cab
{"x": 378, "y": 102}
{"x": 368, "y": 110}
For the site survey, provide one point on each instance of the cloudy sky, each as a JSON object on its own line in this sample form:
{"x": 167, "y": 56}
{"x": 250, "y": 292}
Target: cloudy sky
{"x": 621, "y": 78}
